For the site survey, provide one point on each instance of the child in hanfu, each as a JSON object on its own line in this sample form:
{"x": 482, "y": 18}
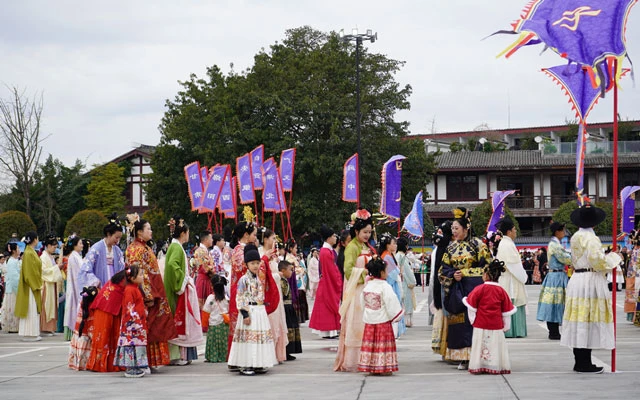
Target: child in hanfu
{"x": 252, "y": 349}
{"x": 490, "y": 308}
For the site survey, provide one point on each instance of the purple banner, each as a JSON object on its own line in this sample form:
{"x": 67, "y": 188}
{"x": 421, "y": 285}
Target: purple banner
{"x": 212, "y": 192}
{"x": 281, "y": 199}
{"x": 497, "y": 204}
{"x": 245, "y": 179}
{"x": 194, "y": 184}
{"x": 628, "y": 200}
{"x": 413, "y": 222}
{"x": 270, "y": 191}
{"x": 287, "y": 164}
{"x": 226, "y": 196}
{"x": 391, "y": 187}
{"x": 234, "y": 195}
{"x": 257, "y": 155}
{"x": 350, "y": 185}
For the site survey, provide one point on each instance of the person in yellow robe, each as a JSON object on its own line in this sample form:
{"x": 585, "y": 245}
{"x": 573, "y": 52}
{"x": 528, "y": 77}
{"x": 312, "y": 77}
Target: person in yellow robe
{"x": 28, "y": 301}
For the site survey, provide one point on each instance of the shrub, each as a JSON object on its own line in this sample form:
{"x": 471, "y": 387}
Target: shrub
{"x": 14, "y": 222}
{"x": 563, "y": 215}
{"x": 87, "y": 224}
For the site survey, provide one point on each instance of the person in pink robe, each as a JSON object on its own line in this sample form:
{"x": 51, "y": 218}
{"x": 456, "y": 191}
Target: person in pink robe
{"x": 325, "y": 317}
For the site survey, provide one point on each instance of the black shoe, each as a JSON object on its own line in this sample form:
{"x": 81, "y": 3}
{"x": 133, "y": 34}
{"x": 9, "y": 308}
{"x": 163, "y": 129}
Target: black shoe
{"x": 260, "y": 370}
{"x": 592, "y": 369}
{"x": 247, "y": 371}
{"x": 290, "y": 357}
{"x": 554, "y": 337}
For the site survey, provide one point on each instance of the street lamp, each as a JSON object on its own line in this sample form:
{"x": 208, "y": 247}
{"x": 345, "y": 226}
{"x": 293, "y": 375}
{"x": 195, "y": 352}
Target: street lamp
{"x": 358, "y": 38}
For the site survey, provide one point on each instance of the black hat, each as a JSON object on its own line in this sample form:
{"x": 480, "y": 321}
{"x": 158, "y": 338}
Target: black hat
{"x": 326, "y": 232}
{"x": 555, "y": 227}
{"x": 588, "y": 216}
{"x": 251, "y": 253}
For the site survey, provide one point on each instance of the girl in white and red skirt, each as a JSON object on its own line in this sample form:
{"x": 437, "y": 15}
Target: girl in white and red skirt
{"x": 490, "y": 309}
{"x": 381, "y": 308}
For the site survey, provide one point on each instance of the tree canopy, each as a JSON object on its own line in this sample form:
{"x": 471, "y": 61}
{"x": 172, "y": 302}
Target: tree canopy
{"x": 563, "y": 215}
{"x": 105, "y": 192}
{"x": 482, "y": 213}
{"x": 300, "y": 93}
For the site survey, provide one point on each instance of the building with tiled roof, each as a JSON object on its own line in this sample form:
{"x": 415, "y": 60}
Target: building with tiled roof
{"x": 543, "y": 178}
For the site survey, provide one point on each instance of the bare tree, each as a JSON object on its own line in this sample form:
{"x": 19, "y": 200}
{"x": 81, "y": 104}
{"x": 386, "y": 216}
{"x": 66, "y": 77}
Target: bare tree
{"x": 20, "y": 139}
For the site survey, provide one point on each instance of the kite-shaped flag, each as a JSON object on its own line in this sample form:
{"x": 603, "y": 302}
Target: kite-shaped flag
{"x": 628, "y": 200}
{"x": 245, "y": 179}
{"x": 226, "y": 196}
{"x": 413, "y": 222}
{"x": 194, "y": 184}
{"x": 350, "y": 184}
{"x": 257, "y": 155}
{"x": 287, "y": 163}
{"x": 497, "y": 205}
{"x": 212, "y": 191}
{"x": 576, "y": 83}
{"x": 391, "y": 187}
{"x": 587, "y": 32}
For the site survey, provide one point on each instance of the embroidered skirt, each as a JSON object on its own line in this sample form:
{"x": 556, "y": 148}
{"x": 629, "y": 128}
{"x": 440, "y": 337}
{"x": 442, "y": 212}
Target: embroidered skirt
{"x": 489, "y": 353}
{"x": 216, "y": 348}
{"x": 437, "y": 331}
{"x": 9, "y": 320}
{"x": 106, "y": 330}
{"x": 252, "y": 345}
{"x": 378, "y": 352}
{"x": 131, "y": 357}
{"x": 552, "y": 295}
{"x": 158, "y": 354}
{"x": 80, "y": 346}
{"x": 588, "y": 318}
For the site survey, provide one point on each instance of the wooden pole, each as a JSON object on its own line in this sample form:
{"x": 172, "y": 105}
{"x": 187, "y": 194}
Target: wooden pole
{"x": 614, "y": 232}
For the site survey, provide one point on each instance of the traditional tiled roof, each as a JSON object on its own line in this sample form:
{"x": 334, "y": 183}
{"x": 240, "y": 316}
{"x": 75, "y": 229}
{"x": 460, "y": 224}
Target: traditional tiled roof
{"x": 529, "y": 159}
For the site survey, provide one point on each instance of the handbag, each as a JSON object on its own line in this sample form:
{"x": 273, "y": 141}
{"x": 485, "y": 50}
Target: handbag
{"x": 225, "y": 318}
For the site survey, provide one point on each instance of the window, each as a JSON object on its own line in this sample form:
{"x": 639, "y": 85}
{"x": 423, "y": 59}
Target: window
{"x": 462, "y": 187}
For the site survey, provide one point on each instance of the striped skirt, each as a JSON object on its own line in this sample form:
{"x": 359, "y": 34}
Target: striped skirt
{"x": 378, "y": 352}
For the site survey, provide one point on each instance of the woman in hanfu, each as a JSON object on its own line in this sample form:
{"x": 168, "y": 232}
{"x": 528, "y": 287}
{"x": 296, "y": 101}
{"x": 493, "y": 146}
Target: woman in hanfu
{"x": 514, "y": 278}
{"x": 243, "y": 233}
{"x": 12, "y": 278}
{"x": 461, "y": 271}
{"x": 631, "y": 283}
{"x": 296, "y": 282}
{"x": 160, "y": 323}
{"x": 217, "y": 255}
{"x": 552, "y": 292}
{"x": 408, "y": 280}
{"x": 357, "y": 254}
{"x": 51, "y": 277}
{"x": 72, "y": 248}
{"x": 29, "y": 297}
{"x": 277, "y": 318}
{"x": 182, "y": 297}
{"x": 105, "y": 258}
{"x": 387, "y": 248}
{"x": 441, "y": 239}
{"x": 204, "y": 264}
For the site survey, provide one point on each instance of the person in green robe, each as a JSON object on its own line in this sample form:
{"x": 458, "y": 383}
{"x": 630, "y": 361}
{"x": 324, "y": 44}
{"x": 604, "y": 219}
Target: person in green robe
{"x": 29, "y": 300}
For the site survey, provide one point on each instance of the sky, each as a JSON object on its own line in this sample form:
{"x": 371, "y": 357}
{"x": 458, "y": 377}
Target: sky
{"x": 105, "y": 69}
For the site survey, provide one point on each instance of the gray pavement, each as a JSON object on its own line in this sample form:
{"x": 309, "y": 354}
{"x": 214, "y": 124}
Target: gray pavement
{"x": 541, "y": 369}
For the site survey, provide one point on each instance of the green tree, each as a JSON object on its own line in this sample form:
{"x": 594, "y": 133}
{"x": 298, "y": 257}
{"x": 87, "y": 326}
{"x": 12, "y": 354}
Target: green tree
{"x": 563, "y": 215}
{"x": 482, "y": 213}
{"x": 106, "y": 188}
{"x": 158, "y": 221}
{"x": 87, "y": 224}
{"x": 14, "y": 223}
{"x": 299, "y": 93}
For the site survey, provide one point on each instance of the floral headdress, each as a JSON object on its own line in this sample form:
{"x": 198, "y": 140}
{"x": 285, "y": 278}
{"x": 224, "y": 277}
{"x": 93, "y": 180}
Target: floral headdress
{"x": 113, "y": 219}
{"x": 131, "y": 220}
{"x": 69, "y": 239}
{"x": 172, "y": 224}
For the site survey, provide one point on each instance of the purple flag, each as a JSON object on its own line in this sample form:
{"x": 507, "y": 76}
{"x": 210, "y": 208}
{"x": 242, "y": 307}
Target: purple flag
{"x": 413, "y": 222}
{"x": 226, "y": 196}
{"x": 628, "y": 200}
{"x": 583, "y": 31}
{"x": 234, "y": 194}
{"x": 257, "y": 155}
{"x": 245, "y": 179}
{"x": 282, "y": 204}
{"x": 350, "y": 184}
{"x": 391, "y": 187}
{"x": 194, "y": 184}
{"x": 212, "y": 192}
{"x": 270, "y": 192}
{"x": 497, "y": 204}
{"x": 287, "y": 163}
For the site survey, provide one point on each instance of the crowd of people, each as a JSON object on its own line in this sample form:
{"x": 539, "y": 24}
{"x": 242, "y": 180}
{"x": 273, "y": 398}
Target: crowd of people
{"x": 135, "y": 310}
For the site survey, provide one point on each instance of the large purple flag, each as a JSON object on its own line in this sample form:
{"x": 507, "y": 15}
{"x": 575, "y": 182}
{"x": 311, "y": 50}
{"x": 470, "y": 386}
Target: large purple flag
{"x": 234, "y": 193}
{"x": 628, "y": 200}
{"x": 287, "y": 164}
{"x": 282, "y": 203}
{"x": 391, "y": 187}
{"x": 497, "y": 204}
{"x": 583, "y": 31}
{"x": 226, "y": 196}
{"x": 270, "y": 186}
{"x": 245, "y": 179}
{"x": 257, "y": 155}
{"x": 212, "y": 192}
{"x": 413, "y": 222}
{"x": 194, "y": 184}
{"x": 350, "y": 185}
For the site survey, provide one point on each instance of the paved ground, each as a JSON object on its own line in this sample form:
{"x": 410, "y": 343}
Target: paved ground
{"x": 541, "y": 370}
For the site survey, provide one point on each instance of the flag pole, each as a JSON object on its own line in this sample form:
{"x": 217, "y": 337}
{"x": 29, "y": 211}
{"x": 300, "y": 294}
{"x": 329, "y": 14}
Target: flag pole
{"x": 614, "y": 232}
